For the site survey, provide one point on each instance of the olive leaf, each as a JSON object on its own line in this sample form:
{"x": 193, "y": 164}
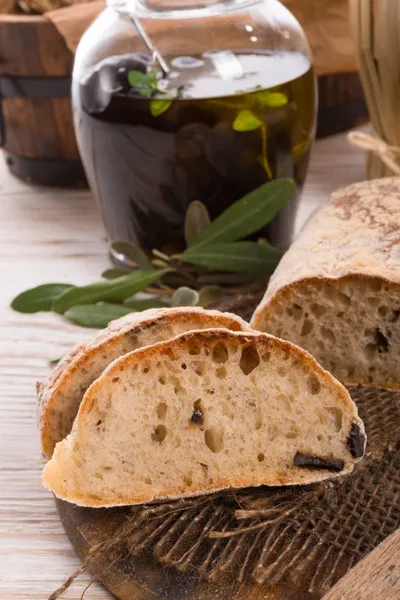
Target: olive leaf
{"x": 210, "y": 294}
{"x": 276, "y": 100}
{"x": 247, "y": 215}
{"x": 243, "y": 257}
{"x": 144, "y": 83}
{"x": 114, "y": 273}
{"x": 158, "y": 106}
{"x": 246, "y": 121}
{"x": 271, "y": 99}
{"x": 54, "y": 361}
{"x": 185, "y": 296}
{"x": 95, "y": 315}
{"x": 137, "y": 257}
{"x": 197, "y": 220}
{"x": 114, "y": 290}
{"x": 39, "y": 298}
{"x": 145, "y": 303}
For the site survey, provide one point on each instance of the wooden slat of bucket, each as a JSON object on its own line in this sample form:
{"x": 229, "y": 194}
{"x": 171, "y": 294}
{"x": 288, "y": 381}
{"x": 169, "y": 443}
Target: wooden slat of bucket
{"x": 49, "y": 124}
{"x": 60, "y": 107}
{"x": 38, "y": 129}
{"x": 31, "y": 46}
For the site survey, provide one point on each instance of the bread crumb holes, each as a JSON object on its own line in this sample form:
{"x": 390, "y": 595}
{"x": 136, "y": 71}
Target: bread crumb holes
{"x": 249, "y": 360}
{"x": 313, "y": 384}
{"x": 328, "y": 334}
{"x": 318, "y": 310}
{"x": 220, "y": 353}
{"x": 188, "y": 480}
{"x": 160, "y": 433}
{"x": 259, "y": 418}
{"x": 307, "y": 328}
{"x": 221, "y": 372}
{"x": 383, "y": 311}
{"x": 214, "y": 439}
{"x": 297, "y": 312}
{"x": 197, "y": 367}
{"x": 161, "y": 410}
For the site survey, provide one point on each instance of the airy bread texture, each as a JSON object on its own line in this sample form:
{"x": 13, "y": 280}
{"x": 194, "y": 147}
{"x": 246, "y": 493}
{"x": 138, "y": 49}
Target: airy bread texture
{"x": 60, "y": 396}
{"x": 205, "y": 411}
{"x": 336, "y": 292}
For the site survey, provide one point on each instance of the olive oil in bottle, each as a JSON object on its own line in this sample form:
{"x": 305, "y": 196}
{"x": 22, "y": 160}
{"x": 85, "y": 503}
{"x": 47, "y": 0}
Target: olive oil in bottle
{"x": 245, "y": 119}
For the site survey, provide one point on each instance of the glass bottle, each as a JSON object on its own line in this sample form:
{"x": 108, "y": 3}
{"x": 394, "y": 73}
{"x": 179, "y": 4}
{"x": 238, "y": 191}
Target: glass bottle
{"x": 227, "y": 103}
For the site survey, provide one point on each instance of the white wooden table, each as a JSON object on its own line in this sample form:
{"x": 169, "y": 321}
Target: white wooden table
{"x": 49, "y": 235}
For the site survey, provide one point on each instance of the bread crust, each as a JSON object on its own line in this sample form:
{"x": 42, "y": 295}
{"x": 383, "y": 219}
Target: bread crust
{"x": 265, "y": 342}
{"x": 50, "y": 392}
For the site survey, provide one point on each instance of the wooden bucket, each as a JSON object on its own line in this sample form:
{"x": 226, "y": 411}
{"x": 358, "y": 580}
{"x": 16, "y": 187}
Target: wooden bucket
{"x": 36, "y": 126}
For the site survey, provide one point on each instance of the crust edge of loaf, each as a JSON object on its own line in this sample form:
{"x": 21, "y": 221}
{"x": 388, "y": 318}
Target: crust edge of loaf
{"x": 236, "y": 485}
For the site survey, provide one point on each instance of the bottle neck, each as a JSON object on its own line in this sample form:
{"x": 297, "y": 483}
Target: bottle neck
{"x": 179, "y": 9}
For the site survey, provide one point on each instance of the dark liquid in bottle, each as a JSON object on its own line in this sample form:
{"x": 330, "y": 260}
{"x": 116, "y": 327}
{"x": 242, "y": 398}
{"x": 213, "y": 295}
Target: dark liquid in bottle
{"x": 245, "y": 119}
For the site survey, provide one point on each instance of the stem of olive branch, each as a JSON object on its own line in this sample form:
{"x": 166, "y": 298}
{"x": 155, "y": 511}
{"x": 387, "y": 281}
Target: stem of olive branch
{"x": 161, "y": 255}
{"x": 264, "y": 150}
{"x": 159, "y": 291}
{"x": 178, "y": 266}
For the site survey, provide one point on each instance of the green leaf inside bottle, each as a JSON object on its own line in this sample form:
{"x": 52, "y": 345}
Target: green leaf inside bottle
{"x": 246, "y": 120}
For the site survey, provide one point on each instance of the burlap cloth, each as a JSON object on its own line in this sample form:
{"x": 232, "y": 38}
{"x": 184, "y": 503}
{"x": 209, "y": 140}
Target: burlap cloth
{"x": 296, "y": 542}
{"x": 326, "y": 23}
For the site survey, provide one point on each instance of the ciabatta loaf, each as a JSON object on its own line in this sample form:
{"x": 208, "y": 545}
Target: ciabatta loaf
{"x": 204, "y": 411}
{"x": 59, "y": 397}
{"x": 336, "y": 292}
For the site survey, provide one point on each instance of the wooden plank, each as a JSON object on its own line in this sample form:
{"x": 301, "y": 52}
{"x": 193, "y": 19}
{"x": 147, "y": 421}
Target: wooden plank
{"x": 376, "y": 577}
{"x": 63, "y": 122}
{"x": 40, "y": 128}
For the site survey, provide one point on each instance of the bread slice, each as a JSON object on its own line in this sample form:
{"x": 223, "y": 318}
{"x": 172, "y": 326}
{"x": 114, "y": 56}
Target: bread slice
{"x": 59, "y": 397}
{"x": 205, "y": 411}
{"x": 336, "y": 292}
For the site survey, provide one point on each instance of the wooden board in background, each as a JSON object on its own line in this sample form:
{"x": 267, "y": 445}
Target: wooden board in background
{"x": 377, "y": 577}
